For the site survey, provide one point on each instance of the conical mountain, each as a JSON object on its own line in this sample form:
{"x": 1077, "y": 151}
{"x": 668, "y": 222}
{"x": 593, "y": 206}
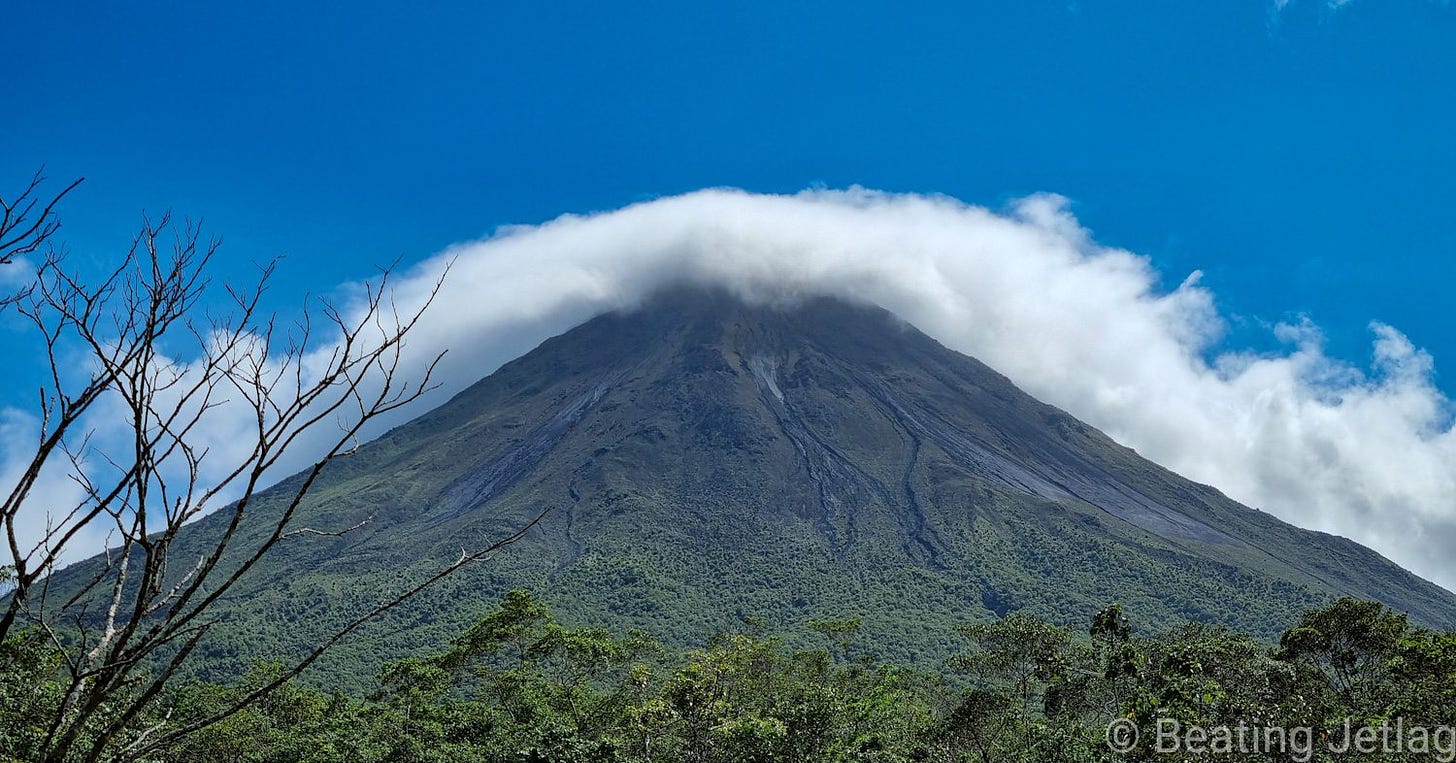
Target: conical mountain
{"x": 707, "y": 459}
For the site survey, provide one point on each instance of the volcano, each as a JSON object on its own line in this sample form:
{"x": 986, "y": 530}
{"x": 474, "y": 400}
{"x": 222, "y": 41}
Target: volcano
{"x": 704, "y": 459}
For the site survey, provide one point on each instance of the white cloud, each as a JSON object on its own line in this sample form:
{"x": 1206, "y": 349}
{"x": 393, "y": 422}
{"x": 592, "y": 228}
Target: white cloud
{"x": 15, "y": 274}
{"x": 54, "y": 492}
{"x": 1280, "y": 5}
{"x": 1365, "y": 454}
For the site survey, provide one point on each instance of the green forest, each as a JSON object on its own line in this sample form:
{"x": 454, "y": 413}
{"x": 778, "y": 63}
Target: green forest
{"x": 521, "y": 686}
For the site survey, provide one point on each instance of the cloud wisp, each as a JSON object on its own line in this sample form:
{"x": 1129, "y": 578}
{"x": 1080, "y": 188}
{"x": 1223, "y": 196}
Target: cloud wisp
{"x": 1280, "y": 5}
{"x": 1364, "y": 453}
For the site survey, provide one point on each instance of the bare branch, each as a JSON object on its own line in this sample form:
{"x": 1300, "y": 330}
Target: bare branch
{"x": 22, "y": 231}
{"x": 325, "y": 533}
{"x": 252, "y": 697}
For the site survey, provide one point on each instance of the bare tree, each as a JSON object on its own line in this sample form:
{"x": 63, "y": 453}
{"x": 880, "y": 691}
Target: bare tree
{"x": 27, "y": 221}
{"x": 24, "y": 223}
{"x": 133, "y": 625}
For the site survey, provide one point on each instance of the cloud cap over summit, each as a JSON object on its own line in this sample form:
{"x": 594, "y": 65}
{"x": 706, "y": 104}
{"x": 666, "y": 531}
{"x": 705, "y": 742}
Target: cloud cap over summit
{"x": 1364, "y": 453}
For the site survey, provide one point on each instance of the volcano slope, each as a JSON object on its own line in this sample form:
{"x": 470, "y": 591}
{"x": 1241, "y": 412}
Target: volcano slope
{"x": 705, "y": 460}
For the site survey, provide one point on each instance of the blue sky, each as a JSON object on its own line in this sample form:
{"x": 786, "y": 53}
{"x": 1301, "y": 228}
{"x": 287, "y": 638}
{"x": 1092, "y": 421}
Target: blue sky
{"x": 1299, "y": 153}
{"x": 1303, "y": 158}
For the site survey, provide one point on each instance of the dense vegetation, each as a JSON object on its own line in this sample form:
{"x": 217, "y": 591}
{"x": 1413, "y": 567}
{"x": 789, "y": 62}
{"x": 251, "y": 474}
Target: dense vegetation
{"x": 521, "y": 686}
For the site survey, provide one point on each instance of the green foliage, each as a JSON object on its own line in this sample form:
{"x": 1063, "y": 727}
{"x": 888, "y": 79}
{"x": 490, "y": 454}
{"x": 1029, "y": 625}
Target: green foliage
{"x": 1351, "y": 643}
{"x": 521, "y": 686}
{"x": 33, "y": 683}
{"x": 28, "y": 693}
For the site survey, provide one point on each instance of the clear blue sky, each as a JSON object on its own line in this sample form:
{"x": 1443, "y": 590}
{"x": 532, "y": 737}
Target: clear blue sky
{"x": 1304, "y": 158}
